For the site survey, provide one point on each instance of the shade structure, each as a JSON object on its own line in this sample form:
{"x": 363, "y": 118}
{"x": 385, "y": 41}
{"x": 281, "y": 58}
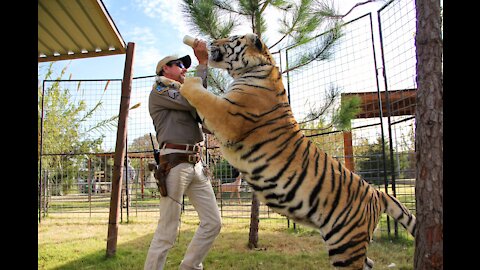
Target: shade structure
{"x": 72, "y": 29}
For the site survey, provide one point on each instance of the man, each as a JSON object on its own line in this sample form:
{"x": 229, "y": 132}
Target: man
{"x": 180, "y": 169}
{"x": 129, "y": 173}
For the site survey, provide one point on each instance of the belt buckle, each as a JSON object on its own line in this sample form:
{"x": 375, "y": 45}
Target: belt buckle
{"x": 196, "y": 148}
{"x": 193, "y": 159}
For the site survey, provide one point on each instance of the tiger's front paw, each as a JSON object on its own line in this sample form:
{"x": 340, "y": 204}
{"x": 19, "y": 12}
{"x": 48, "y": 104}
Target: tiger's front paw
{"x": 175, "y": 84}
{"x": 168, "y": 82}
{"x": 190, "y": 85}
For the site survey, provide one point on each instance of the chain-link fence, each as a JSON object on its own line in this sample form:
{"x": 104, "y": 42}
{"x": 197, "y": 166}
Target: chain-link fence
{"x": 374, "y": 60}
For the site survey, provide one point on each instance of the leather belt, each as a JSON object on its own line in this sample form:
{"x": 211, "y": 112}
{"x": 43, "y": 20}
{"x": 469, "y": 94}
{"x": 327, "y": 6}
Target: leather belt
{"x": 177, "y": 158}
{"x": 186, "y": 147}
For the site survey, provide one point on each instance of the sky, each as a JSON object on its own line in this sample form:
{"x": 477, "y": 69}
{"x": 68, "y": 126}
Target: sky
{"x": 157, "y": 28}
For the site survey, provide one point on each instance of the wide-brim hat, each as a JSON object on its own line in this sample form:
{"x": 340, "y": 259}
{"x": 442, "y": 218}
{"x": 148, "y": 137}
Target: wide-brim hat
{"x": 186, "y": 60}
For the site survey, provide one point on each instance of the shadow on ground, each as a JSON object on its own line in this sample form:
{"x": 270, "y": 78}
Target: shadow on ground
{"x": 277, "y": 250}
{"x": 229, "y": 252}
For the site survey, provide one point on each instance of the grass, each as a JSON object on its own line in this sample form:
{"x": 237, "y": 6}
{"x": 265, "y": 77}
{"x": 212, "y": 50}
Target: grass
{"x": 79, "y": 242}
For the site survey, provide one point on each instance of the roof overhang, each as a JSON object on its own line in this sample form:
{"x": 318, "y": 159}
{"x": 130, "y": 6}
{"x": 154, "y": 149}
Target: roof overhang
{"x": 72, "y": 29}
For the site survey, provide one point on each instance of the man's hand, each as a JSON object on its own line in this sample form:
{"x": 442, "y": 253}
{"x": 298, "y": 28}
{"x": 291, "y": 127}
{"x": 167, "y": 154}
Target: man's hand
{"x": 201, "y": 52}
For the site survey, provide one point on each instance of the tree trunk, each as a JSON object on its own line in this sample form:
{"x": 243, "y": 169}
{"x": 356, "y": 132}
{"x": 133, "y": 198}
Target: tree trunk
{"x": 255, "y": 209}
{"x": 254, "y": 219}
{"x": 429, "y": 137}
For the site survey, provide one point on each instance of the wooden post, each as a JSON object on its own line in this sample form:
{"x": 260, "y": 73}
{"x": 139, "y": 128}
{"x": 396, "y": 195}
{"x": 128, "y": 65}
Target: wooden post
{"x": 120, "y": 152}
{"x": 348, "y": 150}
{"x": 40, "y": 198}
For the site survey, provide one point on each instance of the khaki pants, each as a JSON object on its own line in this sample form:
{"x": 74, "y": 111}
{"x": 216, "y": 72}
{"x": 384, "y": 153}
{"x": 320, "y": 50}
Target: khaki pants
{"x": 126, "y": 198}
{"x": 189, "y": 179}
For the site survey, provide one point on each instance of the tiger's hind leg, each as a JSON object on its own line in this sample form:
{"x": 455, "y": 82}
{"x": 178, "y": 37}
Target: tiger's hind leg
{"x": 350, "y": 254}
{"x": 350, "y": 262}
{"x": 357, "y": 264}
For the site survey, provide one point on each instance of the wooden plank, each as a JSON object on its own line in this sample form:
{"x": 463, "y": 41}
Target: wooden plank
{"x": 402, "y": 102}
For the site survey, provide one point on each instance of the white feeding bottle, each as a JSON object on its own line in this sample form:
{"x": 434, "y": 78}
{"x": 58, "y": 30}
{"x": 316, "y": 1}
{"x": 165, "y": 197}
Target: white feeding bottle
{"x": 189, "y": 40}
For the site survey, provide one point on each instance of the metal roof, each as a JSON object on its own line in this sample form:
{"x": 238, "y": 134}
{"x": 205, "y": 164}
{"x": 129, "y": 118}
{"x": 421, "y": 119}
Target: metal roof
{"x": 71, "y": 29}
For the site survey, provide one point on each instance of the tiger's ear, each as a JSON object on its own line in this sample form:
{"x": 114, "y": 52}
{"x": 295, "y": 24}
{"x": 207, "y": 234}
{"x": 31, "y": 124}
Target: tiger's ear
{"x": 256, "y": 42}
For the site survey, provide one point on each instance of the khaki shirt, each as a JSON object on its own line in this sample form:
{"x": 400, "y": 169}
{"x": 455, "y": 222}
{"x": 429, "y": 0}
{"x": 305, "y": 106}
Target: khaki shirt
{"x": 174, "y": 119}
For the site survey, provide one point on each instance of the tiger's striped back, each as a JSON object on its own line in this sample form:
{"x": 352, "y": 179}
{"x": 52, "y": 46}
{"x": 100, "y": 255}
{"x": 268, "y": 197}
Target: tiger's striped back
{"x": 260, "y": 137}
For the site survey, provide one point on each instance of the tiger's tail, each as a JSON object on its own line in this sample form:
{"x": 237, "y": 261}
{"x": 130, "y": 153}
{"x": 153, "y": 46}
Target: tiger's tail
{"x": 398, "y": 211}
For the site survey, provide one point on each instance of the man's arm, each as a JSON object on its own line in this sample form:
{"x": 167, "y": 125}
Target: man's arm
{"x": 202, "y": 73}
{"x": 201, "y": 52}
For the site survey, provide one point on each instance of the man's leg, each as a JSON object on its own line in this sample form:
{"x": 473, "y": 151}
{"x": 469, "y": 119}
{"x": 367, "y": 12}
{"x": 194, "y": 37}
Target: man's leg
{"x": 200, "y": 193}
{"x": 123, "y": 197}
{"x": 129, "y": 196}
{"x": 170, "y": 210}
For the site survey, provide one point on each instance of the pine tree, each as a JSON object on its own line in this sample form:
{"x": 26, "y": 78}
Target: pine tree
{"x": 302, "y": 20}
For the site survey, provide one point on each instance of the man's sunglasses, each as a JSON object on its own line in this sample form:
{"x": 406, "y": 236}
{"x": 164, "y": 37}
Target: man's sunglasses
{"x": 177, "y": 63}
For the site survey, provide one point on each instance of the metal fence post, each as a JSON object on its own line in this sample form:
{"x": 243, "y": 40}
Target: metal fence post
{"x": 387, "y": 105}
{"x": 89, "y": 182}
{"x": 45, "y": 194}
{"x": 41, "y": 153}
{"x": 380, "y": 110}
{"x": 40, "y": 199}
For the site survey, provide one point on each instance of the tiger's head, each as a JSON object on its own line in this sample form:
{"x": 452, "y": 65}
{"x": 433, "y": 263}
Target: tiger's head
{"x": 238, "y": 54}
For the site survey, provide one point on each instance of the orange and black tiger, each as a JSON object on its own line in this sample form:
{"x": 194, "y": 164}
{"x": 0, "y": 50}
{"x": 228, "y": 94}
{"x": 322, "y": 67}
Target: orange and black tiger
{"x": 258, "y": 134}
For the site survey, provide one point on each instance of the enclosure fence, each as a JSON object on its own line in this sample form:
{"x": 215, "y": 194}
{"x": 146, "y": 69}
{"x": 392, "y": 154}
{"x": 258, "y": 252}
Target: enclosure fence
{"x": 373, "y": 60}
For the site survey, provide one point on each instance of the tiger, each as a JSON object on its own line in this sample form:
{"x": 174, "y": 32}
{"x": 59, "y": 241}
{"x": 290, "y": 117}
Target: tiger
{"x": 259, "y": 136}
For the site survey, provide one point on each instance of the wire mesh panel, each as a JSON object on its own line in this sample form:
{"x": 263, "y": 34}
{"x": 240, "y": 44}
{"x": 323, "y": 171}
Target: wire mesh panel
{"x": 82, "y": 190}
{"x": 80, "y": 111}
{"x": 79, "y": 125}
{"x": 397, "y": 23}
{"x": 141, "y": 141}
{"x": 351, "y": 70}
{"x": 79, "y": 120}
{"x": 317, "y": 89}
{"x": 140, "y": 124}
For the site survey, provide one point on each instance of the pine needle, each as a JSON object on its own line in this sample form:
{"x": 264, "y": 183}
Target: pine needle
{"x": 135, "y": 106}
{"x": 106, "y": 86}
